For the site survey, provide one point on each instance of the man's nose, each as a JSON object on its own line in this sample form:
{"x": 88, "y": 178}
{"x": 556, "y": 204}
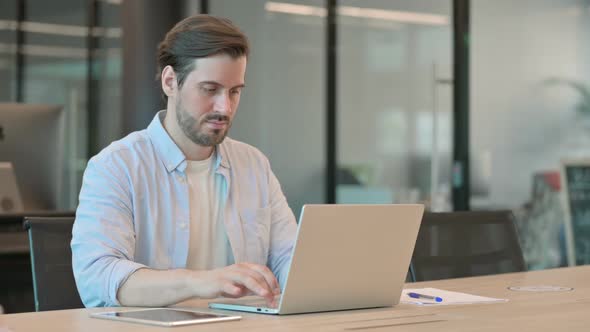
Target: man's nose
{"x": 223, "y": 103}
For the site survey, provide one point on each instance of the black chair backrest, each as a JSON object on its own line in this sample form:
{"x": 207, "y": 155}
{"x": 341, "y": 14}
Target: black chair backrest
{"x": 51, "y": 260}
{"x": 464, "y": 244}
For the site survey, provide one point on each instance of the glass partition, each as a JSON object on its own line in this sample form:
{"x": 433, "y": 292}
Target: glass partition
{"x": 54, "y": 63}
{"x": 530, "y": 110}
{"x": 8, "y": 61}
{"x": 394, "y": 102}
{"x": 282, "y": 110}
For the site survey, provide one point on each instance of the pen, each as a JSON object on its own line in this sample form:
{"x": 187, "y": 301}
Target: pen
{"x": 424, "y": 296}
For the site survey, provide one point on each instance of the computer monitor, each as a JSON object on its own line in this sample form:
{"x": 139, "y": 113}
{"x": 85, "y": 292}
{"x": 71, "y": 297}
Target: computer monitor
{"x": 32, "y": 139}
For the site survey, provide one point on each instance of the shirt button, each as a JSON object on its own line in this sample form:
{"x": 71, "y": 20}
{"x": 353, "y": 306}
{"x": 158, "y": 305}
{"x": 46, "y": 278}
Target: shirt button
{"x": 180, "y": 178}
{"x": 182, "y": 226}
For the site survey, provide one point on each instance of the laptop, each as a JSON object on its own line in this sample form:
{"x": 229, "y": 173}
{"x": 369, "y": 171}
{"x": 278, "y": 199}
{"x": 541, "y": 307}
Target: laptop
{"x": 10, "y": 198}
{"x": 345, "y": 257}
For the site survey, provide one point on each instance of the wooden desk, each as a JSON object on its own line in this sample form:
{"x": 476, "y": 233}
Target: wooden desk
{"x": 526, "y": 311}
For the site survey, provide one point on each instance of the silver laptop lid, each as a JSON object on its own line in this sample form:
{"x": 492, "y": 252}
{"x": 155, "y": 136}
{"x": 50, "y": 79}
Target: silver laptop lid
{"x": 350, "y": 256}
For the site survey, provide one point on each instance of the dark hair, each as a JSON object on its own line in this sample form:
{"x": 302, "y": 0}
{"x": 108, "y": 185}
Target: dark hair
{"x": 199, "y": 36}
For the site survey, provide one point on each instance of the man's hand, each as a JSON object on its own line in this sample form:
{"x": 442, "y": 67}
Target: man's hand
{"x": 148, "y": 287}
{"x": 236, "y": 281}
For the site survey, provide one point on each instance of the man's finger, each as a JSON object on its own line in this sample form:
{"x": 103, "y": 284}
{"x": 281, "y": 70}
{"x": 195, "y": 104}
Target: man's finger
{"x": 255, "y": 283}
{"x": 231, "y": 290}
{"x": 270, "y": 278}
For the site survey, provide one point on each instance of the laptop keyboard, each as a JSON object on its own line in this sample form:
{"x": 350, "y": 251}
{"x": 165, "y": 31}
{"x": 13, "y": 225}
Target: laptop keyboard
{"x": 259, "y": 302}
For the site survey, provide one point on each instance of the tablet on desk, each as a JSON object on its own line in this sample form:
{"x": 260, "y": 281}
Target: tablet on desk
{"x": 165, "y": 316}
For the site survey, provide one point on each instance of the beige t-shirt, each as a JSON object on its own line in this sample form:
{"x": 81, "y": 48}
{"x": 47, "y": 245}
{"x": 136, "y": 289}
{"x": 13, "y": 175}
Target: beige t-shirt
{"x": 209, "y": 246}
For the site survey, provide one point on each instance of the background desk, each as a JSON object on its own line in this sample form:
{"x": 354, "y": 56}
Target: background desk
{"x": 526, "y": 311}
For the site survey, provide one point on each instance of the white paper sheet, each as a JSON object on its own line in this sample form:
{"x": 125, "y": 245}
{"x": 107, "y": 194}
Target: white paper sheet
{"x": 447, "y": 296}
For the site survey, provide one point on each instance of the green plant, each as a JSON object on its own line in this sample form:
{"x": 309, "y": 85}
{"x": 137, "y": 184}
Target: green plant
{"x": 583, "y": 106}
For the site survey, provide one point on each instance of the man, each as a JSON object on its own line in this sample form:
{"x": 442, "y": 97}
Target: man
{"x": 178, "y": 210}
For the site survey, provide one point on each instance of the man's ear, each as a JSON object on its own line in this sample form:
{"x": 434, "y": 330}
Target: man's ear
{"x": 169, "y": 82}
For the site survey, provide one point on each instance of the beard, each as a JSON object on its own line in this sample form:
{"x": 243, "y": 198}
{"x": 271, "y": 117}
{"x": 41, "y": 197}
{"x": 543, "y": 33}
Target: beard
{"x": 194, "y": 128}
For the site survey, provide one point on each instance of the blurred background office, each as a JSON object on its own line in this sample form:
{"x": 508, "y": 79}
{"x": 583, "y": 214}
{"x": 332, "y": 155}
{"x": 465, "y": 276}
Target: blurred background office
{"x": 458, "y": 104}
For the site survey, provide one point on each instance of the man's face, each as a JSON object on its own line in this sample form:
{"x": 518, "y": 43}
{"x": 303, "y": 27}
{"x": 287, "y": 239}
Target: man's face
{"x": 209, "y": 97}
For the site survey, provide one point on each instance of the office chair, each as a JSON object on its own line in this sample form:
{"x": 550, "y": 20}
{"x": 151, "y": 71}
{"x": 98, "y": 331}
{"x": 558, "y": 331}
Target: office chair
{"x": 54, "y": 286}
{"x": 464, "y": 244}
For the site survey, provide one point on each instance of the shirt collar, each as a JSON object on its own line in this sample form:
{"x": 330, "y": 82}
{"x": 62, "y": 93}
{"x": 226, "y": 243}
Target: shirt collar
{"x": 170, "y": 153}
{"x": 221, "y": 156}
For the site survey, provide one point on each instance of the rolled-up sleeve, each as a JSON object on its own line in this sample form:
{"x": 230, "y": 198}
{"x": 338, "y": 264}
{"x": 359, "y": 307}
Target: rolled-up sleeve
{"x": 103, "y": 237}
{"x": 283, "y": 230}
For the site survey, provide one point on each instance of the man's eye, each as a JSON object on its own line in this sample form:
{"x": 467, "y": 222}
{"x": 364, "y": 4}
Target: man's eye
{"x": 209, "y": 90}
{"x": 235, "y": 92}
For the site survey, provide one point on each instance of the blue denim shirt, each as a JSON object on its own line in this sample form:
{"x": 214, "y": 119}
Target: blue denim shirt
{"x": 134, "y": 207}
